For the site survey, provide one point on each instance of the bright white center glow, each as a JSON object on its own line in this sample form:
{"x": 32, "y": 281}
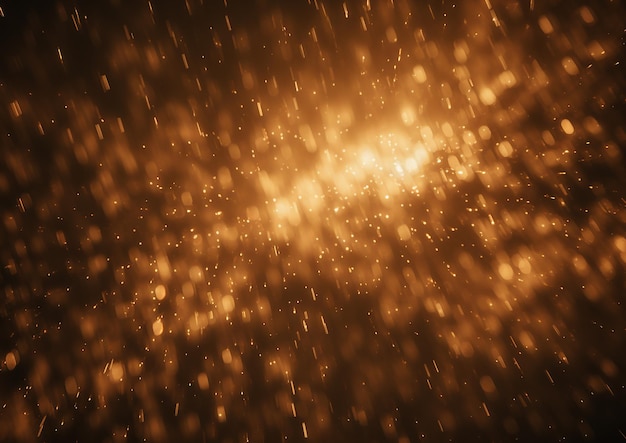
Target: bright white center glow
{"x": 374, "y": 166}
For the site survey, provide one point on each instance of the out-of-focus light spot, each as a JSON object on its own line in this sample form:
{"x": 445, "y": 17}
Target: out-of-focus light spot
{"x": 227, "y": 356}
{"x": 186, "y": 198}
{"x": 487, "y": 384}
{"x": 196, "y": 274}
{"x": 587, "y": 15}
{"x": 506, "y": 271}
{"x": 163, "y": 267}
{"x": 71, "y": 386}
{"x": 419, "y": 74}
{"x": 367, "y": 158}
{"x": 408, "y": 115}
{"x": 160, "y": 292}
{"x": 221, "y": 414}
{"x": 567, "y": 126}
{"x": 592, "y": 125}
{"x": 11, "y": 360}
{"x": 524, "y": 265}
{"x": 507, "y": 79}
{"x": 484, "y": 132}
{"x": 225, "y": 179}
{"x": 391, "y": 35}
{"x": 203, "y": 381}
{"x": 596, "y": 50}
{"x": 157, "y": 327}
{"x": 404, "y": 232}
{"x": 309, "y": 139}
{"x": 505, "y": 148}
{"x": 228, "y": 303}
{"x": 546, "y": 25}
{"x": 461, "y": 52}
{"x": 570, "y": 66}
{"x": 116, "y": 371}
{"x": 487, "y": 96}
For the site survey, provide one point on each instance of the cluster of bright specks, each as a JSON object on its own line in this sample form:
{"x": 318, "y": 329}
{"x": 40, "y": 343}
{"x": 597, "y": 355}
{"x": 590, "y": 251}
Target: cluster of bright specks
{"x": 357, "y": 221}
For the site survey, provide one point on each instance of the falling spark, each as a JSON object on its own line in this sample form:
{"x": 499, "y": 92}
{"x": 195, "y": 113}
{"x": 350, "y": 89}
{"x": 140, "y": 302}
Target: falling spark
{"x": 41, "y": 424}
